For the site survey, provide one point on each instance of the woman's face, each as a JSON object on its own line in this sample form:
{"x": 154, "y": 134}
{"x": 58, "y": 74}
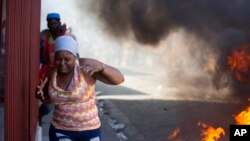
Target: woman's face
{"x": 65, "y": 62}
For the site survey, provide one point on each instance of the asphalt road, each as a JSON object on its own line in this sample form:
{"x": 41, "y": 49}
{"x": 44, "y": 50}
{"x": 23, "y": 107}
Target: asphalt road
{"x": 151, "y": 109}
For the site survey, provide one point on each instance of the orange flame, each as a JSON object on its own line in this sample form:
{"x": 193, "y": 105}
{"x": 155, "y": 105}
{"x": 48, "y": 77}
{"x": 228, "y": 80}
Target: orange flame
{"x": 239, "y": 62}
{"x": 243, "y": 118}
{"x": 174, "y": 134}
{"x": 210, "y": 133}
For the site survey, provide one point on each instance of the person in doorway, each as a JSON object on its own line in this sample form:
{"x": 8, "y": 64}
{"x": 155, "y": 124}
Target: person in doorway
{"x": 71, "y": 88}
{"x": 47, "y": 38}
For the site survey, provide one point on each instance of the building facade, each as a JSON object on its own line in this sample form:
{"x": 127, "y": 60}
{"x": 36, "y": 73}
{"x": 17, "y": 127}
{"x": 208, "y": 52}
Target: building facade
{"x": 20, "y": 53}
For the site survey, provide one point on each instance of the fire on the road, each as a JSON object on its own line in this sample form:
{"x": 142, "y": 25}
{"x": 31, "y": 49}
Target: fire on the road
{"x": 210, "y": 133}
{"x": 239, "y": 63}
{"x": 243, "y": 118}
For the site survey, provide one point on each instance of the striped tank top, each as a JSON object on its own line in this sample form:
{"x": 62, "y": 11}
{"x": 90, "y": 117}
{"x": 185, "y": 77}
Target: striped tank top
{"x": 75, "y": 108}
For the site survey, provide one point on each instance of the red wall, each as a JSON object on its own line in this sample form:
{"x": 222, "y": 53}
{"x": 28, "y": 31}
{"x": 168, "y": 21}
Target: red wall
{"x": 22, "y": 44}
{"x": 1, "y": 3}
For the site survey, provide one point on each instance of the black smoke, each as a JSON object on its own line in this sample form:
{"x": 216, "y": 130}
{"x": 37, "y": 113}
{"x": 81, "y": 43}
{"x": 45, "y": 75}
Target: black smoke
{"x": 222, "y": 24}
{"x": 150, "y": 21}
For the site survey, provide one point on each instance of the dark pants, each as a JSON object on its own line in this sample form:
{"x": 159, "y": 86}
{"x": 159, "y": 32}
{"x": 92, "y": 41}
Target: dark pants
{"x": 44, "y": 110}
{"x": 63, "y": 135}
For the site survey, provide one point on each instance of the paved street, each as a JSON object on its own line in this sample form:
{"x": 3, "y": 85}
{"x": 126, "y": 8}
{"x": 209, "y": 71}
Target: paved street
{"x": 151, "y": 110}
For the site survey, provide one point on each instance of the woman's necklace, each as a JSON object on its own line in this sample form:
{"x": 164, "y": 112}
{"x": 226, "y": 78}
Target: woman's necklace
{"x": 65, "y": 87}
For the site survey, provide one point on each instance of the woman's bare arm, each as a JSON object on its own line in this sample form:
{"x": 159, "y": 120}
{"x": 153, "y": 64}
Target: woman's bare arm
{"x": 102, "y": 72}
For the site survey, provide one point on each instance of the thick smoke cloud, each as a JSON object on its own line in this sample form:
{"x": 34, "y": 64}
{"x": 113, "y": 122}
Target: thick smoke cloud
{"x": 150, "y": 21}
{"x": 196, "y": 36}
{"x": 221, "y": 24}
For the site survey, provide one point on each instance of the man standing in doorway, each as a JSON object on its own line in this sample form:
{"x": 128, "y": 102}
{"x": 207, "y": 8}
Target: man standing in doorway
{"x": 47, "y": 38}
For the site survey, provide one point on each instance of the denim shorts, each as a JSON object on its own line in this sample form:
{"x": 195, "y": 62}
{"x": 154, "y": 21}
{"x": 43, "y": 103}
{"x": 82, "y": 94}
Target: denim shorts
{"x": 63, "y": 135}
